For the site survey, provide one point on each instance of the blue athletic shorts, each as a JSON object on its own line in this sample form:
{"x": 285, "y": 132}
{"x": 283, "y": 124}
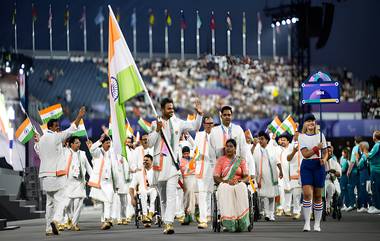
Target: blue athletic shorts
{"x": 313, "y": 173}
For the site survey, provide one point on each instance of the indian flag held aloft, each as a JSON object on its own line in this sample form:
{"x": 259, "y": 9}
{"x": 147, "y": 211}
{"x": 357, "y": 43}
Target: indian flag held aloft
{"x": 25, "y": 132}
{"x": 145, "y": 125}
{"x": 81, "y": 131}
{"x": 51, "y": 112}
{"x": 124, "y": 82}
{"x": 275, "y": 124}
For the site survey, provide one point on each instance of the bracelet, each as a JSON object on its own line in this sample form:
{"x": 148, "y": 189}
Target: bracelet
{"x": 316, "y": 150}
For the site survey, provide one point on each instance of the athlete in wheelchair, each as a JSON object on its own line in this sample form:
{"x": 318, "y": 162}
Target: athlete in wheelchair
{"x": 142, "y": 193}
{"x": 231, "y": 201}
{"x": 333, "y": 203}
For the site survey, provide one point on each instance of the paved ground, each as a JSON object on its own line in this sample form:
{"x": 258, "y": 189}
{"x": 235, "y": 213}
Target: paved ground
{"x": 353, "y": 226}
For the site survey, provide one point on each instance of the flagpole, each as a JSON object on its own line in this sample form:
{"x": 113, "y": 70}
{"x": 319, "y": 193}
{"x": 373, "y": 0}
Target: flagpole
{"x": 150, "y": 42}
{"x": 289, "y": 41}
{"x": 259, "y": 45}
{"x": 182, "y": 44}
{"x": 33, "y": 35}
{"x": 85, "y": 31}
{"x": 274, "y": 41}
{"x": 51, "y": 32}
{"x": 244, "y": 36}
{"x": 229, "y": 27}
{"x": 134, "y": 34}
{"x": 68, "y": 32}
{"x": 101, "y": 39}
{"x": 16, "y": 49}
{"x": 166, "y": 41}
{"x": 14, "y": 22}
{"x": 198, "y": 36}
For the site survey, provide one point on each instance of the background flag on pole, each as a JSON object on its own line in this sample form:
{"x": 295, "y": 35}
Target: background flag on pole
{"x": 118, "y": 15}
{"x": 151, "y": 17}
{"x": 51, "y": 112}
{"x": 99, "y": 17}
{"x": 183, "y": 20}
{"x": 50, "y": 18}
{"x": 82, "y": 19}
{"x": 25, "y": 132}
{"x": 229, "y": 21}
{"x": 259, "y": 24}
{"x": 66, "y": 16}
{"x": 14, "y": 15}
{"x": 244, "y": 30}
{"x": 168, "y": 18}
{"x": 212, "y": 21}
{"x": 133, "y": 19}
{"x": 124, "y": 81}
{"x": 199, "y": 21}
{"x": 34, "y": 13}
{"x": 274, "y": 125}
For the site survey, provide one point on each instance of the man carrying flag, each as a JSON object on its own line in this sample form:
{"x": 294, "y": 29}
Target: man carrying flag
{"x": 165, "y": 172}
{"x": 50, "y": 150}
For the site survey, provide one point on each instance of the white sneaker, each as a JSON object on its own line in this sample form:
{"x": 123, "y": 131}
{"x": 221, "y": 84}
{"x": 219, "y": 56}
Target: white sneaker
{"x": 374, "y": 211}
{"x": 349, "y": 209}
{"x": 317, "y": 228}
{"x": 362, "y": 210}
{"x": 306, "y": 227}
{"x": 370, "y": 208}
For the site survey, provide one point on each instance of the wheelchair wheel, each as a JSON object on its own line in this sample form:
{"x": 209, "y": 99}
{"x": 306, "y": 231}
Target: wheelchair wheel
{"x": 138, "y": 211}
{"x": 251, "y": 211}
{"x": 256, "y": 208}
{"x": 215, "y": 216}
{"x": 158, "y": 212}
{"x": 324, "y": 211}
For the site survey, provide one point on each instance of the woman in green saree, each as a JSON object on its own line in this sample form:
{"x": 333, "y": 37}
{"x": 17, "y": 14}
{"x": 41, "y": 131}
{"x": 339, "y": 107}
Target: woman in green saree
{"x": 230, "y": 174}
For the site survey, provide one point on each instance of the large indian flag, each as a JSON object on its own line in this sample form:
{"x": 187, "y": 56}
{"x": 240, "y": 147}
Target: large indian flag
{"x": 124, "y": 80}
{"x": 51, "y": 112}
{"x": 25, "y": 131}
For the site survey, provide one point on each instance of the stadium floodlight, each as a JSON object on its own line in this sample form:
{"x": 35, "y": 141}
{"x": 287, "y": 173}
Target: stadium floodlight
{"x": 22, "y": 66}
{"x": 294, "y": 20}
{"x": 283, "y": 22}
{"x": 288, "y": 21}
{"x": 21, "y": 71}
{"x": 7, "y": 69}
{"x": 278, "y": 23}
{"x": 272, "y": 25}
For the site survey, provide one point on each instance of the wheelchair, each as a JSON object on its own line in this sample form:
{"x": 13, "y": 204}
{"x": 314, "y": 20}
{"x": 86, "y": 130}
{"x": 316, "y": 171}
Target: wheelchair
{"x": 335, "y": 207}
{"x": 254, "y": 213}
{"x": 139, "y": 213}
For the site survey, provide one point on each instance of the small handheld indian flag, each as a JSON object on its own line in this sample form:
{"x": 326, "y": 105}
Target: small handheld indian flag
{"x": 145, "y": 125}
{"x": 288, "y": 125}
{"x": 81, "y": 130}
{"x": 248, "y": 133}
{"x": 25, "y": 132}
{"x": 191, "y": 117}
{"x": 44, "y": 128}
{"x": 129, "y": 130}
{"x": 274, "y": 125}
{"x": 51, "y": 112}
